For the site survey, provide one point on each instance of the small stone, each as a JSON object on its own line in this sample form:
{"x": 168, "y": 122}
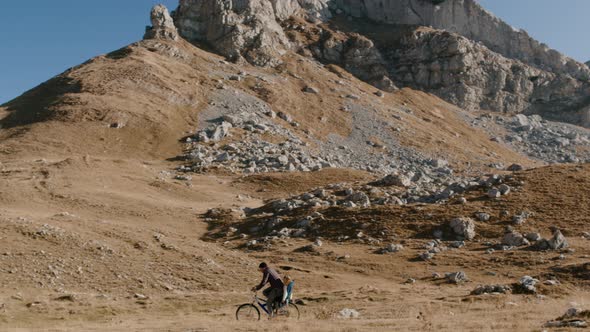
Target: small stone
{"x": 533, "y": 237}
{"x": 482, "y": 216}
{"x": 504, "y": 189}
{"x": 426, "y": 256}
{"x": 348, "y": 313}
{"x": 311, "y": 89}
{"x": 456, "y": 277}
{"x": 494, "y": 193}
{"x": 515, "y": 168}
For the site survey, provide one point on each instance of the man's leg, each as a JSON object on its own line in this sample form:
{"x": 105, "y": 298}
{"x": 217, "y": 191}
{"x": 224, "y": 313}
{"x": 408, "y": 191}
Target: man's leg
{"x": 273, "y": 297}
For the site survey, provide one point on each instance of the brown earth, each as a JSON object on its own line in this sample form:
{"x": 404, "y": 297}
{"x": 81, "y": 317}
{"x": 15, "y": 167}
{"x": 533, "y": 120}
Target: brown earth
{"x": 91, "y": 220}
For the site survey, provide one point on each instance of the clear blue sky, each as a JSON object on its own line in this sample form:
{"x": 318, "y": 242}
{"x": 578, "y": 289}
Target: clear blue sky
{"x": 42, "y": 38}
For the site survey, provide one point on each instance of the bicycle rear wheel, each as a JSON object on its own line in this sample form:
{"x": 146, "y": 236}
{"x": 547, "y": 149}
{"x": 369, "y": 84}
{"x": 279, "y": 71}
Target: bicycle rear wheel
{"x": 289, "y": 312}
{"x": 247, "y": 312}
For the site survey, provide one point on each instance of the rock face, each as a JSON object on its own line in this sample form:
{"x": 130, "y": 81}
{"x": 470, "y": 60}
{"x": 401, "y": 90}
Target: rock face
{"x": 358, "y": 55}
{"x": 471, "y": 76}
{"x": 162, "y": 25}
{"x": 473, "y": 60}
{"x": 247, "y": 29}
{"x": 467, "y": 18}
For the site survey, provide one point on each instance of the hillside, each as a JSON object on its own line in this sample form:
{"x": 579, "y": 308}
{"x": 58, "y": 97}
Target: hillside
{"x": 141, "y": 189}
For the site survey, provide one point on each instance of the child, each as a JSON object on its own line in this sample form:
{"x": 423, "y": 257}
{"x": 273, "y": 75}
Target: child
{"x": 287, "y": 289}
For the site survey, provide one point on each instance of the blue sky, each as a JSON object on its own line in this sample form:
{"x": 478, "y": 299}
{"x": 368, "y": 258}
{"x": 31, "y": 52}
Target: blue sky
{"x": 42, "y": 38}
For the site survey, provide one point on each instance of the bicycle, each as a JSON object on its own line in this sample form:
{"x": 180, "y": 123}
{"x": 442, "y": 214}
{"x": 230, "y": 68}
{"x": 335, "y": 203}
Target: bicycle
{"x": 249, "y": 311}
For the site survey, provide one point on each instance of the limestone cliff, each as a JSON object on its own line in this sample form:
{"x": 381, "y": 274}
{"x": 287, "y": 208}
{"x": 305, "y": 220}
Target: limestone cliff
{"x": 244, "y": 29}
{"x": 467, "y": 18}
{"x": 467, "y": 56}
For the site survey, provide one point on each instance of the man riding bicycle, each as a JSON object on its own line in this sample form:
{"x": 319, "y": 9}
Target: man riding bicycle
{"x": 273, "y": 293}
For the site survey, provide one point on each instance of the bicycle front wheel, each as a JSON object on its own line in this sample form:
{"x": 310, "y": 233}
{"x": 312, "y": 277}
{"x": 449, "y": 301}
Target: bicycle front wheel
{"x": 288, "y": 312}
{"x": 247, "y": 312}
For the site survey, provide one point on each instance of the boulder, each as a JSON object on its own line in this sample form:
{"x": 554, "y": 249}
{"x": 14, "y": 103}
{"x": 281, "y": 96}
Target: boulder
{"x": 557, "y": 241}
{"x": 396, "y": 180}
{"x": 527, "y": 284}
{"x": 220, "y": 131}
{"x": 463, "y": 228}
{"x": 514, "y": 239}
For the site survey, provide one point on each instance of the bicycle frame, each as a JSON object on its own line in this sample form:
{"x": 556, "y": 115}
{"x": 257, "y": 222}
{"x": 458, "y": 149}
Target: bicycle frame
{"x": 261, "y": 303}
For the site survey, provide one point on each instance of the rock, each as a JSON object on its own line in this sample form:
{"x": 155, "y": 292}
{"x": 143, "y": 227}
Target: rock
{"x": 285, "y": 116}
{"x": 438, "y": 163}
{"x": 573, "y": 317}
{"x": 494, "y": 193}
{"x": 308, "y": 248}
{"x": 457, "y": 244}
{"x": 359, "y": 198}
{"x": 515, "y": 168}
{"x": 348, "y": 313}
{"x": 470, "y": 57}
{"x": 482, "y": 216}
{"x": 391, "y": 248}
{"x": 557, "y": 241}
{"x": 162, "y": 25}
{"x": 551, "y": 282}
{"x": 578, "y": 323}
{"x": 426, "y": 256}
{"x": 456, "y": 277}
{"x": 521, "y": 218}
{"x": 396, "y": 180}
{"x": 236, "y": 29}
{"x": 67, "y": 297}
{"x": 533, "y": 237}
{"x": 504, "y": 189}
{"x": 183, "y": 177}
{"x": 463, "y": 228}
{"x": 221, "y": 131}
{"x": 491, "y": 289}
{"x": 311, "y": 89}
{"x": 514, "y": 239}
{"x": 527, "y": 284}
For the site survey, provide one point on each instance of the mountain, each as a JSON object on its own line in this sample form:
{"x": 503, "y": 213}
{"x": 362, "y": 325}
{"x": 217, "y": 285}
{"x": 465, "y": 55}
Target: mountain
{"x": 519, "y": 75}
{"x": 399, "y": 159}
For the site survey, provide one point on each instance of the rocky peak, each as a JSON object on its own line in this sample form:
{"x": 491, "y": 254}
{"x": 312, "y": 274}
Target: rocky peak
{"x": 162, "y": 25}
{"x": 470, "y": 19}
{"x": 244, "y": 29}
{"x": 463, "y": 53}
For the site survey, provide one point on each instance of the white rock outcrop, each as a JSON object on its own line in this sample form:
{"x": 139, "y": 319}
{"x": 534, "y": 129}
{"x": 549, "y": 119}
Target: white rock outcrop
{"x": 162, "y": 25}
{"x": 244, "y": 29}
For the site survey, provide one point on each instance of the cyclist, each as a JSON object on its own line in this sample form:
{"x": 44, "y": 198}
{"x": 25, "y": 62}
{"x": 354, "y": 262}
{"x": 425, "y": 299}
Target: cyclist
{"x": 275, "y": 291}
